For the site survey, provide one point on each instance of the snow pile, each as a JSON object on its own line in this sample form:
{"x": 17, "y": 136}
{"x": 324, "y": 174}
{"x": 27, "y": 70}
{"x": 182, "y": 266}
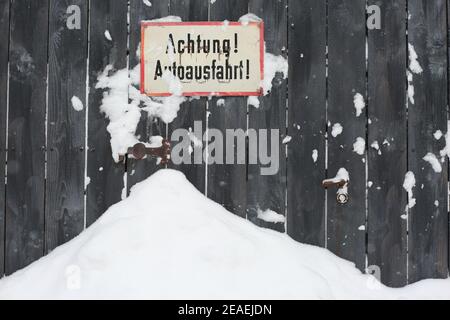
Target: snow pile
{"x": 168, "y": 241}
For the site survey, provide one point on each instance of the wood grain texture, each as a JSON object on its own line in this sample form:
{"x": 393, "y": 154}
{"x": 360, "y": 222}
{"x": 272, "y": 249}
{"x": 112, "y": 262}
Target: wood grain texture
{"x": 346, "y": 78}
{"x": 269, "y": 191}
{"x": 193, "y": 110}
{"x": 307, "y": 123}
{"x": 105, "y": 187}
{"x": 4, "y": 40}
{"x": 138, "y": 170}
{"x": 387, "y": 166}
{"x": 26, "y": 133}
{"x": 428, "y": 219}
{"x": 227, "y": 184}
{"x": 64, "y": 212}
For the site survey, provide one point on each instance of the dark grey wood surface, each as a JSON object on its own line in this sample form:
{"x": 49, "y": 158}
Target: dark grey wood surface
{"x": 227, "y": 184}
{"x": 347, "y": 78}
{"x": 306, "y": 121}
{"x": 26, "y": 133}
{"x": 106, "y": 176}
{"x": 138, "y": 170}
{"x": 268, "y": 192}
{"x": 428, "y": 219}
{"x": 193, "y": 109}
{"x": 4, "y": 39}
{"x": 387, "y": 166}
{"x": 64, "y": 210}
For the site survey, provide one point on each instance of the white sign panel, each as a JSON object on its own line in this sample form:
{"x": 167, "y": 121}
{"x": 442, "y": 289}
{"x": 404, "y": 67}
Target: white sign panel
{"x": 208, "y": 58}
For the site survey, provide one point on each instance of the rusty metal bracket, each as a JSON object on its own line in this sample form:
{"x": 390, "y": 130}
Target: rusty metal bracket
{"x": 140, "y": 151}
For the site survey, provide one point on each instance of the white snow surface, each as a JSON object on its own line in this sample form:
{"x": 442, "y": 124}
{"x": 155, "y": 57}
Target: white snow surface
{"x": 167, "y": 240}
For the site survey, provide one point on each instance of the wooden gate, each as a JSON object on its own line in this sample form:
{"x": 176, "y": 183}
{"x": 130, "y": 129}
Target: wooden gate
{"x": 60, "y": 176}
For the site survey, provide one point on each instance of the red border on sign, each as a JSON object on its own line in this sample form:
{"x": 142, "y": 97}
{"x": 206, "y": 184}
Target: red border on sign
{"x": 260, "y": 24}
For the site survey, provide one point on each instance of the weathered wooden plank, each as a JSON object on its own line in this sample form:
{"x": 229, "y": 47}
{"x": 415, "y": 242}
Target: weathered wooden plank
{"x": 193, "y": 110}
{"x": 307, "y": 124}
{"x": 387, "y": 165}
{"x": 138, "y": 170}
{"x": 227, "y": 184}
{"x": 26, "y": 133}
{"x": 428, "y": 219}
{"x": 4, "y": 39}
{"x": 268, "y": 192}
{"x": 106, "y": 176}
{"x": 346, "y": 235}
{"x": 64, "y": 212}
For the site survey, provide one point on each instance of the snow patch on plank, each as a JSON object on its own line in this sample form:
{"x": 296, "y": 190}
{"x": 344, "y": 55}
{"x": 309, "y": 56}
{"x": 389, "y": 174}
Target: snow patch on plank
{"x": 433, "y": 161}
{"x": 77, "y": 105}
{"x": 359, "y": 146}
{"x": 270, "y": 216}
{"x": 359, "y": 103}
{"x": 336, "y": 130}
{"x": 408, "y": 184}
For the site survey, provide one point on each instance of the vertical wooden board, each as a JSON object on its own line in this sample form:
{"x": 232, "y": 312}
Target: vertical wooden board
{"x": 64, "y": 212}
{"x": 106, "y": 184}
{"x": 26, "y": 133}
{"x": 387, "y": 166}
{"x": 428, "y": 219}
{"x": 4, "y": 39}
{"x": 306, "y": 123}
{"x": 227, "y": 184}
{"x": 268, "y": 192}
{"x": 138, "y": 170}
{"x": 347, "y": 78}
{"x": 193, "y": 110}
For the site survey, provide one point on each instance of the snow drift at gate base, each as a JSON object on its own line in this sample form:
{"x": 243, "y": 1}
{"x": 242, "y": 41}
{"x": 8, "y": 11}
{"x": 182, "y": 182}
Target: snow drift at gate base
{"x": 169, "y": 241}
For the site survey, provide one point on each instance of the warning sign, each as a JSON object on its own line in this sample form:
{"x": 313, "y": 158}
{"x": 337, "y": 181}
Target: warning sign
{"x": 207, "y": 58}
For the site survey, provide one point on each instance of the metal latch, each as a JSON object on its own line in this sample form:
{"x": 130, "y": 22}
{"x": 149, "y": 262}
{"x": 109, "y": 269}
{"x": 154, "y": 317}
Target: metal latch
{"x": 342, "y": 192}
{"x": 140, "y": 151}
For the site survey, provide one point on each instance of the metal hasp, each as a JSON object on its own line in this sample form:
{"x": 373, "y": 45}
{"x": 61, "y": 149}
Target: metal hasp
{"x": 140, "y": 151}
{"x": 342, "y": 192}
